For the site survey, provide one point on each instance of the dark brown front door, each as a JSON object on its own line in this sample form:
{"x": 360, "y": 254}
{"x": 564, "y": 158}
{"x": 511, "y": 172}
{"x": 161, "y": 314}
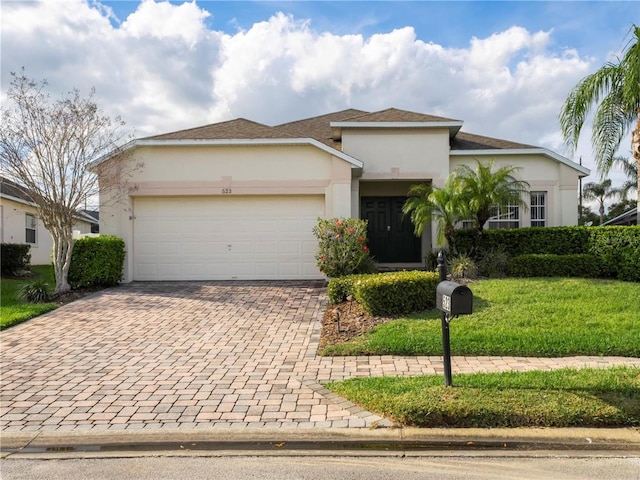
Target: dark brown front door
{"x": 391, "y": 237}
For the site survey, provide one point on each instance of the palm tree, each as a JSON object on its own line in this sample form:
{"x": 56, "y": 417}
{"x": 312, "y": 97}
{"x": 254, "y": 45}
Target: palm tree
{"x": 444, "y": 205}
{"x": 630, "y": 169}
{"x": 615, "y": 88}
{"x": 599, "y": 192}
{"x": 484, "y": 189}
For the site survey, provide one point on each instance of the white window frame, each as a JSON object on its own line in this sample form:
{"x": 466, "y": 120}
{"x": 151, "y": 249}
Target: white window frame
{"x": 538, "y": 209}
{"x": 506, "y": 217}
{"x": 31, "y": 224}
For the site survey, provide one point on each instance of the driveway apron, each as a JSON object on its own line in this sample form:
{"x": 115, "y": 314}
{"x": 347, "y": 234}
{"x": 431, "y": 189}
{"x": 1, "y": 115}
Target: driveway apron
{"x": 199, "y": 355}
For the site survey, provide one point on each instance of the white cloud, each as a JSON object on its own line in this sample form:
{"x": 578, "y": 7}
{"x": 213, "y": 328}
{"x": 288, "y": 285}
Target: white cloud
{"x": 163, "y": 68}
{"x": 162, "y": 20}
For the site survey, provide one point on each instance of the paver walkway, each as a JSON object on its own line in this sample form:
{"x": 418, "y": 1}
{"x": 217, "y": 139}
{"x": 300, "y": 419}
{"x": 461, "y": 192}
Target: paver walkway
{"x": 188, "y": 354}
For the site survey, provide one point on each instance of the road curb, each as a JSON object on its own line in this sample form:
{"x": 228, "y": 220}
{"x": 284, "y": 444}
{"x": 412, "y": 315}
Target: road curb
{"x": 322, "y": 441}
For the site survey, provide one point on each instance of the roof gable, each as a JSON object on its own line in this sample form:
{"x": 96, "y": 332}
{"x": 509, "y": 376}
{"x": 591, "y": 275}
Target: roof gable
{"x": 238, "y": 128}
{"x": 394, "y": 115}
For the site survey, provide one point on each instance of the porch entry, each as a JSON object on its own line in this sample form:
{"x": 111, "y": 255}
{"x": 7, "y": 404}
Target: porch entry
{"x": 391, "y": 237}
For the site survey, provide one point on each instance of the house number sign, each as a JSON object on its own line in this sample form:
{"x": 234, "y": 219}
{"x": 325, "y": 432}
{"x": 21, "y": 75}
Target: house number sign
{"x": 226, "y": 191}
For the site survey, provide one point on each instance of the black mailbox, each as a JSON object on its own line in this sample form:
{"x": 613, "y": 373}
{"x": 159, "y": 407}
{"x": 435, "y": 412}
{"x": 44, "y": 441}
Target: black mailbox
{"x": 454, "y": 299}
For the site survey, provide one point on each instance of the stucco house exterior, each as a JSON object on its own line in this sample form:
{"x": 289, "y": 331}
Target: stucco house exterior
{"x": 239, "y": 199}
{"x": 19, "y": 222}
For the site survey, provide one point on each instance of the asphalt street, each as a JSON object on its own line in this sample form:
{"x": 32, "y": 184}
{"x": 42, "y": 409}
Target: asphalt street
{"x": 541, "y": 466}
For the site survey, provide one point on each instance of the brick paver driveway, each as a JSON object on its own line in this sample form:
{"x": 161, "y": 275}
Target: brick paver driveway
{"x": 187, "y": 354}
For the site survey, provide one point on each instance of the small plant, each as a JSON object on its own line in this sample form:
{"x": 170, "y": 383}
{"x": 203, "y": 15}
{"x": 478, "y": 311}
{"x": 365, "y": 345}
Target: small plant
{"x": 34, "y": 292}
{"x": 463, "y": 266}
{"x": 493, "y": 262}
{"x": 342, "y": 247}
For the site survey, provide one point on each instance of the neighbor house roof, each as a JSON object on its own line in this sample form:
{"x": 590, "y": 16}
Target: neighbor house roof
{"x": 14, "y": 191}
{"x": 627, "y": 218}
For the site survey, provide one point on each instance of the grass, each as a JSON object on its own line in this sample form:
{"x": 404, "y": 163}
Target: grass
{"x": 12, "y": 311}
{"x": 550, "y": 317}
{"x": 560, "y": 398}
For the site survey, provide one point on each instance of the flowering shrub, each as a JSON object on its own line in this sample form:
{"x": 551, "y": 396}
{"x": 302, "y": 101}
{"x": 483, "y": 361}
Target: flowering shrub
{"x": 342, "y": 247}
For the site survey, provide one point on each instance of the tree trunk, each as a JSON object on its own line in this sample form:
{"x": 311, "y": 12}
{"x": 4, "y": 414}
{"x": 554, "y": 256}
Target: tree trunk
{"x": 635, "y": 150}
{"x": 62, "y": 250}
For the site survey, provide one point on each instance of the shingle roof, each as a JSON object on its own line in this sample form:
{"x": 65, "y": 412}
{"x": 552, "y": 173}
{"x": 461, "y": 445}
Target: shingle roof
{"x": 238, "y": 128}
{"x": 319, "y": 128}
{"x": 396, "y": 115}
{"x": 470, "y": 141}
{"x": 12, "y": 189}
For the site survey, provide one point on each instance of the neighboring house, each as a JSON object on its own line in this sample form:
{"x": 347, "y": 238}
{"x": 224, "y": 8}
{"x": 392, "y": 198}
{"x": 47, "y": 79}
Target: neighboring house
{"x": 627, "y": 218}
{"x": 94, "y": 216}
{"x": 19, "y": 222}
{"x": 239, "y": 199}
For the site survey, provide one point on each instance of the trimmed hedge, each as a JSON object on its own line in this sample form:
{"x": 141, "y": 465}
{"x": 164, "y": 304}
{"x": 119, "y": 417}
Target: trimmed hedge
{"x": 548, "y": 265}
{"x": 97, "y": 261}
{"x": 15, "y": 257}
{"x": 617, "y": 248}
{"x": 522, "y": 241}
{"x": 387, "y": 294}
{"x": 619, "y": 251}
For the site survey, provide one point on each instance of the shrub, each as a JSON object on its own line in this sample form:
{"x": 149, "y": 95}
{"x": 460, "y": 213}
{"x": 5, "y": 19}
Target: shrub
{"x": 342, "y": 247}
{"x": 619, "y": 251}
{"x": 493, "y": 262}
{"x": 548, "y": 265}
{"x": 463, "y": 266}
{"x": 97, "y": 261}
{"x": 521, "y": 241}
{"x": 34, "y": 292}
{"x": 386, "y": 294}
{"x": 15, "y": 257}
{"x": 618, "y": 248}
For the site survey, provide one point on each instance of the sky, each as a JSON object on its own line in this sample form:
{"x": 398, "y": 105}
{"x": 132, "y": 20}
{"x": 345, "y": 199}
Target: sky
{"x": 504, "y": 68}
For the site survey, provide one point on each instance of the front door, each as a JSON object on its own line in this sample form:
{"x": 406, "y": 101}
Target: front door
{"x": 391, "y": 237}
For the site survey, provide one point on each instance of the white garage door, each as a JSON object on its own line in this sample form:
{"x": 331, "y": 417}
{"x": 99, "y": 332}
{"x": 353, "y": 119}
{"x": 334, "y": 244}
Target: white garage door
{"x": 225, "y": 238}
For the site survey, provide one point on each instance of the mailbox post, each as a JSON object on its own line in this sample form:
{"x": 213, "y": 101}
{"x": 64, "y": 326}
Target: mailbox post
{"x": 446, "y": 341}
{"x": 452, "y": 299}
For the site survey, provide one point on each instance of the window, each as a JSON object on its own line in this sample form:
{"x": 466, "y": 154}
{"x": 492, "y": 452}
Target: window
{"x": 506, "y": 217}
{"x": 538, "y": 209}
{"x": 30, "y": 230}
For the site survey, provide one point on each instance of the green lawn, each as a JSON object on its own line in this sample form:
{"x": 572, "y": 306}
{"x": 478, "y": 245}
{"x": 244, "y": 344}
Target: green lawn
{"x": 560, "y": 398}
{"x": 13, "y": 311}
{"x": 548, "y": 317}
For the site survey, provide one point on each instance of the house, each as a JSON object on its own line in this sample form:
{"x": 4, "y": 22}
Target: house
{"x": 627, "y": 218}
{"x": 19, "y": 222}
{"x": 238, "y": 199}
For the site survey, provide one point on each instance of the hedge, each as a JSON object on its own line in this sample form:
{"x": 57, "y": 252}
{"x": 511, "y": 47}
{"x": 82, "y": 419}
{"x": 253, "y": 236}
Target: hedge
{"x": 387, "y": 294}
{"x": 97, "y": 261}
{"x": 549, "y": 265}
{"x": 617, "y": 248}
{"x": 15, "y": 257}
{"x": 521, "y": 241}
{"x": 619, "y": 251}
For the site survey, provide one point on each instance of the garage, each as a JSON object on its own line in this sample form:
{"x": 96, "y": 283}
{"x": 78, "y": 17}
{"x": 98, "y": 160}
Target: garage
{"x": 253, "y": 237}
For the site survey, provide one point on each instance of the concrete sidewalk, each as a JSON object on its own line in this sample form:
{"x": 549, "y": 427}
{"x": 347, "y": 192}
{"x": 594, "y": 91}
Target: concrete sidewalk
{"x": 174, "y": 357}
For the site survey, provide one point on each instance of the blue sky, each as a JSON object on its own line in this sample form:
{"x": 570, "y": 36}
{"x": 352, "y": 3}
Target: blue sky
{"x": 594, "y": 27}
{"x": 504, "y": 68}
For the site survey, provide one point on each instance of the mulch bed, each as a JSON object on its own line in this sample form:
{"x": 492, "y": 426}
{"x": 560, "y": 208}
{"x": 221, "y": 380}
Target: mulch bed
{"x": 344, "y": 321}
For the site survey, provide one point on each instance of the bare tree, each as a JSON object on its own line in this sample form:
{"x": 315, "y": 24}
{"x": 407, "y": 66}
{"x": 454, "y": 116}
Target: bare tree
{"x": 46, "y": 145}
